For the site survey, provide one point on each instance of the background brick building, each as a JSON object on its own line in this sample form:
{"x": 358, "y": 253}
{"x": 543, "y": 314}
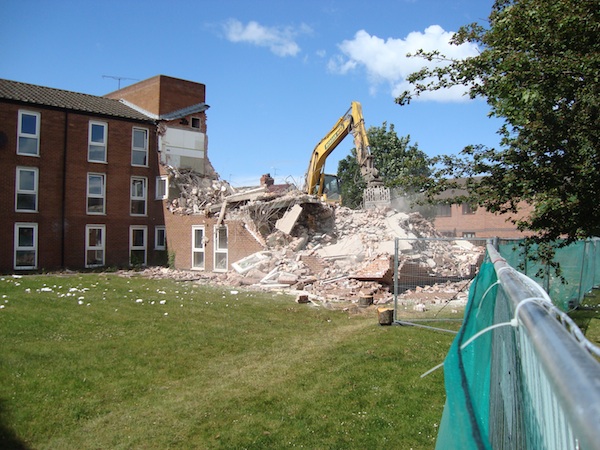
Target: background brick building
{"x": 462, "y": 220}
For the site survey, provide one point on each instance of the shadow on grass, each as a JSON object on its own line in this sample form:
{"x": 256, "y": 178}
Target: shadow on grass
{"x": 8, "y": 438}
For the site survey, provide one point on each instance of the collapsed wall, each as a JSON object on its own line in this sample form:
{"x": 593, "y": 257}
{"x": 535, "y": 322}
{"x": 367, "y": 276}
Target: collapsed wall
{"x": 325, "y": 252}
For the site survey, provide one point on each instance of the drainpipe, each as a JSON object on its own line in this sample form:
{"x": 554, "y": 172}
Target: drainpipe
{"x": 64, "y": 193}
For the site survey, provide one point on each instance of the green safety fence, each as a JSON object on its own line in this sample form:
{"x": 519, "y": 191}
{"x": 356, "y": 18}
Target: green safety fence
{"x": 579, "y": 265}
{"x": 519, "y": 374}
{"x": 467, "y": 374}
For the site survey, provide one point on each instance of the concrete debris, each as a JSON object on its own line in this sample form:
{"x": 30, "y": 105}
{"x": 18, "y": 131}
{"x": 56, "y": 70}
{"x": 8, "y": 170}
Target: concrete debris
{"x": 341, "y": 255}
{"x": 196, "y": 192}
{"x": 302, "y": 298}
{"x": 385, "y": 316}
{"x": 289, "y": 219}
{"x": 330, "y": 253}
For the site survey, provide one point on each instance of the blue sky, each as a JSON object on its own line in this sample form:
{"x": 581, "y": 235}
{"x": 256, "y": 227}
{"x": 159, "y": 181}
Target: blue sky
{"x": 278, "y": 74}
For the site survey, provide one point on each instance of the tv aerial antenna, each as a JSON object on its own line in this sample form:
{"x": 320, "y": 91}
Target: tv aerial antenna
{"x": 119, "y": 79}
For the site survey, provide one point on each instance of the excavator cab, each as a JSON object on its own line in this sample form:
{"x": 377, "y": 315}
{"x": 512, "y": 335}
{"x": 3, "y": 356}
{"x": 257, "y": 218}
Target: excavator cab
{"x": 331, "y": 188}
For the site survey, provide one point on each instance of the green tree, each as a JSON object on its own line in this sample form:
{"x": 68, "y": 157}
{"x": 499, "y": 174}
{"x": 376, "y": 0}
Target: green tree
{"x": 538, "y": 69}
{"x": 401, "y": 165}
{"x": 352, "y": 184}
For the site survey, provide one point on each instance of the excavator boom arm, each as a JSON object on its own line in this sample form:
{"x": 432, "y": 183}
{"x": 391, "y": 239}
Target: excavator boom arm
{"x": 351, "y": 122}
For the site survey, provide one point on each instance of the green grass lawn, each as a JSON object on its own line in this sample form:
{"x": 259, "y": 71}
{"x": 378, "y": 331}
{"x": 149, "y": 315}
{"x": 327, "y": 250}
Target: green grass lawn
{"x": 587, "y": 316}
{"x": 107, "y": 362}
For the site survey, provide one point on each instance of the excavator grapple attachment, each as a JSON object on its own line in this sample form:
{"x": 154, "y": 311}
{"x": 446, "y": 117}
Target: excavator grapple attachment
{"x": 376, "y": 197}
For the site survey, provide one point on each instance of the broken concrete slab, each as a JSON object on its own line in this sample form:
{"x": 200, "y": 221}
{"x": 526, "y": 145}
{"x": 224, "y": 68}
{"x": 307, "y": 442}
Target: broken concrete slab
{"x": 350, "y": 246}
{"x": 288, "y": 221}
{"x": 287, "y": 278}
{"x": 380, "y": 270}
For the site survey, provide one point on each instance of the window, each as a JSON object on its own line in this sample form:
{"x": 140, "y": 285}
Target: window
{"x": 97, "y": 142}
{"x": 139, "y": 147}
{"x": 443, "y": 210}
{"x": 27, "y": 189}
{"x": 96, "y": 191}
{"x": 160, "y": 238}
{"x": 95, "y": 237}
{"x": 221, "y": 249}
{"x": 26, "y": 239}
{"x": 137, "y": 245}
{"x": 138, "y": 196}
{"x": 468, "y": 234}
{"x": 162, "y": 187}
{"x": 198, "y": 247}
{"x": 195, "y": 122}
{"x": 467, "y": 209}
{"x": 29, "y": 133}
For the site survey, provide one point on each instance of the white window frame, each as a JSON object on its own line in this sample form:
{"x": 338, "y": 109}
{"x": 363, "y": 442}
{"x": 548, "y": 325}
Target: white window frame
{"x": 221, "y": 250}
{"x": 19, "y": 191}
{"x": 137, "y": 248}
{"x": 138, "y": 198}
{"x": 103, "y": 144}
{"x": 139, "y": 150}
{"x": 26, "y": 248}
{"x": 22, "y": 134}
{"x": 97, "y": 247}
{"x": 162, "y": 180}
{"x": 198, "y": 248}
{"x": 160, "y": 244}
{"x": 90, "y": 195}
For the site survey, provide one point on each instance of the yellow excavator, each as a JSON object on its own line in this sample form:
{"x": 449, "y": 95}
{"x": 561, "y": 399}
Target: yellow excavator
{"x": 327, "y": 186}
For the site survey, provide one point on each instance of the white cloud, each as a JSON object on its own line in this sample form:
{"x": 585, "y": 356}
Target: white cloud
{"x": 385, "y": 61}
{"x": 279, "y": 40}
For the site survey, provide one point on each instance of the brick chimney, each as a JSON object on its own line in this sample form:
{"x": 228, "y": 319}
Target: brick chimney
{"x": 267, "y": 180}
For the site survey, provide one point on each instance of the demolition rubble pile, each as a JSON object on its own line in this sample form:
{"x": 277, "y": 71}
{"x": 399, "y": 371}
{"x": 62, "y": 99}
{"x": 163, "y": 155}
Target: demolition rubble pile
{"x": 196, "y": 192}
{"x": 327, "y": 254}
{"x": 347, "y": 256}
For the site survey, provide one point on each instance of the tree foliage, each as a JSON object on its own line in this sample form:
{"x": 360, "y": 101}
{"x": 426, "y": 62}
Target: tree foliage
{"x": 538, "y": 69}
{"x": 401, "y": 165}
{"x": 352, "y": 184}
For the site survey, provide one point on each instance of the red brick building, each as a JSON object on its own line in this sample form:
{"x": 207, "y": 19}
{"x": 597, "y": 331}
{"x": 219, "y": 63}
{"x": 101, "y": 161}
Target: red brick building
{"x": 461, "y": 220}
{"x": 85, "y": 183}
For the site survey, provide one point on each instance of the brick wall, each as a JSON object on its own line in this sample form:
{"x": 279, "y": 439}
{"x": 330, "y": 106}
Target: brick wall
{"x": 62, "y": 200}
{"x": 241, "y": 243}
{"x": 50, "y": 188}
{"x": 482, "y": 223}
{"x": 162, "y": 94}
{"x": 63, "y": 176}
{"x": 118, "y": 171}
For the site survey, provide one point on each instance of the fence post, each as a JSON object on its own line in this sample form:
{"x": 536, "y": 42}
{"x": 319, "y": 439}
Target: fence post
{"x": 396, "y": 287}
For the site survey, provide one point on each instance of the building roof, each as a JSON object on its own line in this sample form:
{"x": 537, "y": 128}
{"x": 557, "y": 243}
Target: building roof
{"x": 58, "y": 98}
{"x": 172, "y": 115}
